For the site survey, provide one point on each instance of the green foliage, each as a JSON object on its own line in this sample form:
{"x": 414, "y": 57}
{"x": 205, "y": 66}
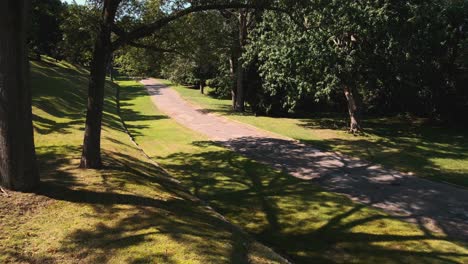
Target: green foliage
{"x": 133, "y": 61}
{"x": 79, "y": 28}
{"x": 45, "y": 32}
{"x": 399, "y": 56}
{"x": 201, "y": 43}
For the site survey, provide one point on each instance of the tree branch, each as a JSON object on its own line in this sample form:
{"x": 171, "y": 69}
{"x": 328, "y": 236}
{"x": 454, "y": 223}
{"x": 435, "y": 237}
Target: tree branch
{"x": 149, "y": 29}
{"x": 153, "y": 48}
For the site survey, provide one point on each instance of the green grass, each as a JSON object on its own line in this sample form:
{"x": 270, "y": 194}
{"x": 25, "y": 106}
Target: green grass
{"x": 295, "y": 217}
{"x": 129, "y": 212}
{"x": 413, "y": 146}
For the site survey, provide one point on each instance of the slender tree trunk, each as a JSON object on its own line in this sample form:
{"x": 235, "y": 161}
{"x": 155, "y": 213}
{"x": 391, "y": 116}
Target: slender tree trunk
{"x": 111, "y": 68}
{"x": 91, "y": 155}
{"x": 202, "y": 86}
{"x": 232, "y": 64}
{"x": 240, "y": 99}
{"x": 18, "y": 167}
{"x": 240, "y": 96}
{"x": 355, "y": 122}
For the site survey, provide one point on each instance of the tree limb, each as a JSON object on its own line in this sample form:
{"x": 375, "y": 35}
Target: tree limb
{"x": 149, "y": 29}
{"x": 153, "y": 48}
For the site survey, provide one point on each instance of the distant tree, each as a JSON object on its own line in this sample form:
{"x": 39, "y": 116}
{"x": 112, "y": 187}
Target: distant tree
{"x": 45, "y": 32}
{"x": 241, "y": 22}
{"x": 79, "y": 30}
{"x": 198, "y": 42}
{"x": 390, "y": 55}
{"x": 18, "y": 169}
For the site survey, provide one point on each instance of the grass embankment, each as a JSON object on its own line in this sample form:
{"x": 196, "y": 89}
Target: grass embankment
{"x": 430, "y": 151}
{"x": 296, "y": 217}
{"x": 128, "y": 212}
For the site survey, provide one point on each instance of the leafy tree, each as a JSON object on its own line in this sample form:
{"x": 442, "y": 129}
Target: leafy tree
{"x": 45, "y": 32}
{"x": 386, "y": 54}
{"x": 79, "y": 29}
{"x": 198, "y": 42}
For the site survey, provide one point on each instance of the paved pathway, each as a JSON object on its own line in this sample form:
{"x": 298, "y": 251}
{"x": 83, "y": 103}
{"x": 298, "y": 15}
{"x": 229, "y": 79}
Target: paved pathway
{"x": 433, "y": 206}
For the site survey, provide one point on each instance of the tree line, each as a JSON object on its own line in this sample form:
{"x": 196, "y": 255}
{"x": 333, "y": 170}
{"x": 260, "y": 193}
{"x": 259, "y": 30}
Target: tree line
{"x": 271, "y": 57}
{"x": 363, "y": 57}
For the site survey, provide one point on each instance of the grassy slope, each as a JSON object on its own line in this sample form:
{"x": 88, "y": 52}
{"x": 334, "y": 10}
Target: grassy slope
{"x": 428, "y": 151}
{"x": 295, "y": 217}
{"x": 127, "y": 213}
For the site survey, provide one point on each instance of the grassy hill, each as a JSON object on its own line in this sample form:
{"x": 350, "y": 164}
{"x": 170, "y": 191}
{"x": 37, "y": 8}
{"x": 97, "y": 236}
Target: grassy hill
{"x": 129, "y": 212}
{"x": 295, "y": 217}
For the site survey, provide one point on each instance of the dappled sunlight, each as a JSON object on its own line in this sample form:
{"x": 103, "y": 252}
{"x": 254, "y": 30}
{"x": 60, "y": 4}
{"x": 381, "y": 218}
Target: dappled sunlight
{"x": 295, "y": 216}
{"x": 409, "y": 145}
{"x": 131, "y": 211}
{"x": 299, "y": 219}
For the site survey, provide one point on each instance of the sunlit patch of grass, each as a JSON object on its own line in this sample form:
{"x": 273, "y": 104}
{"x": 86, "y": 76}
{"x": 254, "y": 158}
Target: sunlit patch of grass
{"x": 430, "y": 151}
{"x": 129, "y": 212}
{"x": 295, "y": 217}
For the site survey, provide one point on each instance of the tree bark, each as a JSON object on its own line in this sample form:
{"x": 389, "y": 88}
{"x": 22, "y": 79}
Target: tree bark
{"x": 232, "y": 64}
{"x": 202, "y": 86}
{"x": 240, "y": 96}
{"x": 355, "y": 122}
{"x": 111, "y": 68}
{"x": 240, "y": 99}
{"x": 18, "y": 167}
{"x": 91, "y": 155}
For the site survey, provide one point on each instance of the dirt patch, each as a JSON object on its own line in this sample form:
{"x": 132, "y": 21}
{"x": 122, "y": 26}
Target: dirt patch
{"x": 17, "y": 205}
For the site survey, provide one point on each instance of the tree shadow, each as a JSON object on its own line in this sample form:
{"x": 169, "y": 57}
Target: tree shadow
{"x": 407, "y": 144}
{"x": 131, "y": 207}
{"x": 132, "y": 116}
{"x": 67, "y": 110}
{"x": 297, "y": 218}
{"x": 128, "y": 191}
{"x": 410, "y": 147}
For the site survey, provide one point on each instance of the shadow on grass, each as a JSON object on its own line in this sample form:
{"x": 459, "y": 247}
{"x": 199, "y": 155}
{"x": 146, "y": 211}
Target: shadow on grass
{"x": 408, "y": 144}
{"x": 416, "y": 147}
{"x": 60, "y": 92}
{"x": 130, "y": 204}
{"x": 131, "y": 115}
{"x": 300, "y": 220}
{"x": 128, "y": 211}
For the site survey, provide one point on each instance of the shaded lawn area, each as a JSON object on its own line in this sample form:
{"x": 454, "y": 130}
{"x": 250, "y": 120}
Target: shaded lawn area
{"x": 295, "y": 217}
{"x": 429, "y": 151}
{"x": 129, "y": 212}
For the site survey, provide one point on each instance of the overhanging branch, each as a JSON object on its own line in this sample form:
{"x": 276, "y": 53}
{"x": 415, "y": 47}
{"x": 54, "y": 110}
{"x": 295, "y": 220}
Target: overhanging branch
{"x": 146, "y": 30}
{"x": 153, "y": 48}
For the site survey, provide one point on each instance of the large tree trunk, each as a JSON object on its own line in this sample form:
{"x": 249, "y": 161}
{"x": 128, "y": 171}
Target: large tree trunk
{"x": 91, "y": 155}
{"x": 18, "y": 167}
{"x": 355, "y": 122}
{"x": 240, "y": 96}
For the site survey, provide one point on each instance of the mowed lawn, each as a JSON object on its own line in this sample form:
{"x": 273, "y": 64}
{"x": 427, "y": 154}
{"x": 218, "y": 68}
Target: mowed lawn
{"x": 129, "y": 212}
{"x": 295, "y": 217}
{"x": 409, "y": 145}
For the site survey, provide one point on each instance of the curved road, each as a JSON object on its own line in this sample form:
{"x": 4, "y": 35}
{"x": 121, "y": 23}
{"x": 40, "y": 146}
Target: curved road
{"x": 435, "y": 206}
